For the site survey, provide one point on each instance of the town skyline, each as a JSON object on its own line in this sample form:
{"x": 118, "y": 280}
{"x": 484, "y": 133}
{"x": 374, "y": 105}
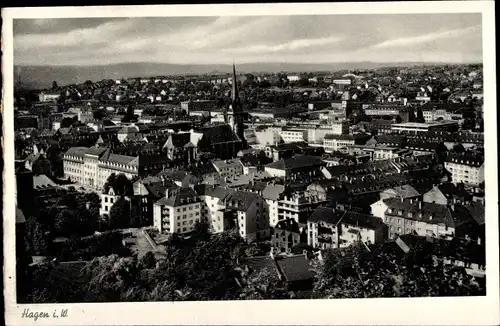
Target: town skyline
{"x": 426, "y": 38}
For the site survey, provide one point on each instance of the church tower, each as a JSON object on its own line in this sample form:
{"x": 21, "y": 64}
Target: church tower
{"x": 236, "y": 114}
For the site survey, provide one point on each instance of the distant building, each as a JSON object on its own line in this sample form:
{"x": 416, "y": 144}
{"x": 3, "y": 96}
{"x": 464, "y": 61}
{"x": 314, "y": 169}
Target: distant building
{"x": 48, "y": 96}
{"x": 416, "y": 127}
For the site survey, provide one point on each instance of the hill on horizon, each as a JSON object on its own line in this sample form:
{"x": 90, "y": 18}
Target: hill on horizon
{"x": 39, "y": 77}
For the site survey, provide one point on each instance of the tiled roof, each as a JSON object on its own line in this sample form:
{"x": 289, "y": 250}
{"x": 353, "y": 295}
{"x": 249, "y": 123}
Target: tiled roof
{"x": 429, "y": 212}
{"x": 295, "y": 268}
{"x": 470, "y": 160}
{"x": 324, "y": 214}
{"x": 273, "y": 192}
{"x": 241, "y": 200}
{"x": 222, "y": 164}
{"x": 218, "y": 134}
{"x": 406, "y": 191}
{"x": 180, "y": 197}
{"x": 297, "y": 162}
{"x": 42, "y": 181}
{"x": 288, "y": 225}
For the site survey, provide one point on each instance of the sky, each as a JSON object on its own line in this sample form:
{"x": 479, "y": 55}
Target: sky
{"x": 453, "y": 38}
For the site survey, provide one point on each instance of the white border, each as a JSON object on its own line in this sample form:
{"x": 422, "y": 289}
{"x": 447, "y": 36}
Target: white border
{"x": 411, "y": 311}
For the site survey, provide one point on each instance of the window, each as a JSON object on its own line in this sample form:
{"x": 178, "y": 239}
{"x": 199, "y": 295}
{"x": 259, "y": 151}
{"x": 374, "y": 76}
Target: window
{"x": 183, "y": 222}
{"x": 184, "y": 209}
{"x": 111, "y": 200}
{"x": 183, "y": 229}
{"x": 105, "y": 199}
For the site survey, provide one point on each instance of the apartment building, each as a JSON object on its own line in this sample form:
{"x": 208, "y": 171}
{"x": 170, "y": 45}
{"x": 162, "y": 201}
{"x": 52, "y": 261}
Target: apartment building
{"x": 178, "y": 211}
{"x": 466, "y": 169}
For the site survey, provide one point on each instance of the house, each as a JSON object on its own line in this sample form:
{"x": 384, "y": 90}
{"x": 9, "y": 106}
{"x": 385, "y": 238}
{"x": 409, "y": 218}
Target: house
{"x": 247, "y": 212}
{"x": 127, "y": 132}
{"x": 408, "y": 216}
{"x": 446, "y": 194}
{"x": 213, "y": 206}
{"x": 146, "y": 192}
{"x": 333, "y": 143}
{"x": 297, "y": 272}
{"x": 271, "y": 195}
{"x": 285, "y": 235}
{"x": 305, "y": 165}
{"x": 329, "y": 228}
{"x": 403, "y": 191}
{"x": 228, "y": 168}
{"x": 177, "y": 212}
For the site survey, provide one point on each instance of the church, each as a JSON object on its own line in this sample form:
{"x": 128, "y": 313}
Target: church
{"x": 225, "y": 141}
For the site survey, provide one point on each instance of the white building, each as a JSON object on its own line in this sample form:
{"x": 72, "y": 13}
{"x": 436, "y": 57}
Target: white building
{"x": 271, "y": 195}
{"x": 177, "y": 212}
{"x": 293, "y": 135}
{"x": 92, "y": 166}
{"x": 467, "y": 170}
{"x": 417, "y": 127}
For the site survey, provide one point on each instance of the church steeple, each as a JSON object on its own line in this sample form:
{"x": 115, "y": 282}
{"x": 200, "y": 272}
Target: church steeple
{"x": 234, "y": 90}
{"x": 236, "y": 108}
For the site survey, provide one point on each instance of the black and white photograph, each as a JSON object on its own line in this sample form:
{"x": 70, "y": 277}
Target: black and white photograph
{"x": 251, "y": 158}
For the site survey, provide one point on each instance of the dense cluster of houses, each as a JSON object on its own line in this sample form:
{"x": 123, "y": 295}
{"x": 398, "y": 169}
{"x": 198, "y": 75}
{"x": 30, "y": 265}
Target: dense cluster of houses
{"x": 406, "y": 161}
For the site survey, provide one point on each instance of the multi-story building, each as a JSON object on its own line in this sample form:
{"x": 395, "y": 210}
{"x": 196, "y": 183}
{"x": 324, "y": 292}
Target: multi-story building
{"x": 271, "y": 195}
{"x": 386, "y": 110}
{"x": 285, "y": 235}
{"x": 228, "y": 168}
{"x": 334, "y": 143}
{"x": 92, "y": 166}
{"x": 328, "y": 228}
{"x": 406, "y": 216}
{"x": 467, "y": 169}
{"x": 417, "y": 127}
{"x": 293, "y": 135}
{"x": 178, "y": 211}
{"x": 248, "y": 213}
{"x": 303, "y": 165}
{"x": 297, "y": 206}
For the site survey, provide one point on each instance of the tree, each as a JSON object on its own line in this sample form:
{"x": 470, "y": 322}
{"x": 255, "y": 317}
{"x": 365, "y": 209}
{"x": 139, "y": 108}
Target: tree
{"x": 119, "y": 214}
{"x": 121, "y": 185}
{"x": 263, "y": 285}
{"x": 36, "y": 237}
{"x": 54, "y": 85}
{"x": 148, "y": 260}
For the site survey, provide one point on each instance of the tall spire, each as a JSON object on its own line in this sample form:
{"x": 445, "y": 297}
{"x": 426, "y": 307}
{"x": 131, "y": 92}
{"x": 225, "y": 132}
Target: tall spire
{"x": 234, "y": 90}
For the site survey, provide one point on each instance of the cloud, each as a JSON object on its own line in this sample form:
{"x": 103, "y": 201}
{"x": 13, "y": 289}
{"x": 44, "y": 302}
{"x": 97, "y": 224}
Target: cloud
{"x": 308, "y": 39}
{"x": 429, "y": 38}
